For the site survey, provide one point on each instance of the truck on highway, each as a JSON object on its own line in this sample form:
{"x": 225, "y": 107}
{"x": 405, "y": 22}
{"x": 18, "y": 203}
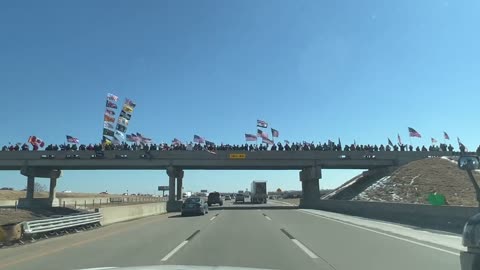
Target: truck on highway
{"x": 258, "y": 192}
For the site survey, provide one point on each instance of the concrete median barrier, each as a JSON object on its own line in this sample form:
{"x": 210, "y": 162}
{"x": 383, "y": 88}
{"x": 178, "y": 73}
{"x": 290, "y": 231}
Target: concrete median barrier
{"x": 446, "y": 218}
{"x": 116, "y": 214}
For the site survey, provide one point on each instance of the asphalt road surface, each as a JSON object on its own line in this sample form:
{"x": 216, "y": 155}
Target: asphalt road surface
{"x": 261, "y": 238}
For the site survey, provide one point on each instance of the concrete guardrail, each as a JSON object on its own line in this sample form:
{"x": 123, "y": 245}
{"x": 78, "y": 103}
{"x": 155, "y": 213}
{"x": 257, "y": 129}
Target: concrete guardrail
{"x": 116, "y": 214}
{"x": 445, "y": 218}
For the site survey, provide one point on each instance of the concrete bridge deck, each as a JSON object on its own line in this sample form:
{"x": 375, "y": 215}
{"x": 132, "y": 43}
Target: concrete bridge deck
{"x": 223, "y": 160}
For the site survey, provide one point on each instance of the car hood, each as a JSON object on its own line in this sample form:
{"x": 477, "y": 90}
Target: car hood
{"x": 176, "y": 267}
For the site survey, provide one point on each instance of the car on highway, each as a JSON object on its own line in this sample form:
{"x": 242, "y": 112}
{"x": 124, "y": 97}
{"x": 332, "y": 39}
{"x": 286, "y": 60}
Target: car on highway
{"x": 227, "y": 198}
{"x": 194, "y": 205}
{"x": 214, "y": 198}
{"x": 240, "y": 198}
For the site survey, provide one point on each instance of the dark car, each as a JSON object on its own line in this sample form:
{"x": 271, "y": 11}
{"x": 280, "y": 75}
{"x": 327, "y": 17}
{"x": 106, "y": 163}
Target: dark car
{"x": 214, "y": 198}
{"x": 240, "y": 198}
{"x": 194, "y": 205}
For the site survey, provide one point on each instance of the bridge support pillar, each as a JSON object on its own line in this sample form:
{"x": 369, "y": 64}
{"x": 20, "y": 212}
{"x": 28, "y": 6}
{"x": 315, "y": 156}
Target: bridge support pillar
{"x": 179, "y": 184}
{"x": 30, "y": 187}
{"x": 31, "y": 173}
{"x": 171, "y": 184}
{"x": 172, "y": 204}
{"x": 310, "y": 178}
{"x": 52, "y": 194}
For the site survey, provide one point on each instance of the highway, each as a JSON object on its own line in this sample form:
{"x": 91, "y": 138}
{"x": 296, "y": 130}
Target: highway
{"x": 268, "y": 237}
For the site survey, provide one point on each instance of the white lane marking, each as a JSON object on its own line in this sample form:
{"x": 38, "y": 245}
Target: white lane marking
{"x": 384, "y": 234}
{"x": 170, "y": 254}
{"x": 305, "y": 249}
{"x": 267, "y": 217}
{"x": 213, "y": 217}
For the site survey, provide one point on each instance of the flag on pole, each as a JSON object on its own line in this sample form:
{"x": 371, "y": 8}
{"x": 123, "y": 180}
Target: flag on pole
{"x": 209, "y": 143}
{"x": 111, "y": 105}
{"x": 250, "y": 137}
{"x": 399, "y": 139}
{"x": 445, "y": 135}
{"x": 286, "y": 141}
{"x": 130, "y": 103}
{"x": 109, "y": 112}
{"x": 267, "y": 141}
{"x": 112, "y": 97}
{"x": 176, "y": 141}
{"x": 434, "y": 141}
{"x": 262, "y": 134}
{"x": 35, "y": 141}
{"x": 390, "y": 142}
{"x": 414, "y": 133}
{"x": 71, "y": 139}
{"x": 275, "y": 133}
{"x": 198, "y": 139}
{"x": 262, "y": 124}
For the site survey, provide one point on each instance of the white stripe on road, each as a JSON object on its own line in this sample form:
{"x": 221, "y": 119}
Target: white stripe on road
{"x": 171, "y": 253}
{"x": 384, "y": 234}
{"x": 305, "y": 249}
{"x": 267, "y": 217}
{"x": 213, "y": 217}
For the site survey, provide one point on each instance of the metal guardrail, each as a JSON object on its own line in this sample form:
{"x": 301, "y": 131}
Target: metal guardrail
{"x": 59, "y": 223}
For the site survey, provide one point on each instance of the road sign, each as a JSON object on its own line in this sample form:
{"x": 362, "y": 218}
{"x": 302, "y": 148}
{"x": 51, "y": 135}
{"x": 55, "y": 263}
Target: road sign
{"x": 160, "y": 188}
{"x": 237, "y": 156}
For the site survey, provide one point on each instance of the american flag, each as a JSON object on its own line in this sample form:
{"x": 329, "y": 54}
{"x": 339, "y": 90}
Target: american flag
{"x": 262, "y": 134}
{"x": 275, "y": 133}
{"x": 414, "y": 133}
{"x": 198, "y": 139}
{"x": 433, "y": 140}
{"x": 71, "y": 139}
{"x": 250, "y": 137}
{"x": 130, "y": 138}
{"x": 267, "y": 141}
{"x": 445, "y": 135}
{"x": 262, "y": 124}
{"x": 176, "y": 141}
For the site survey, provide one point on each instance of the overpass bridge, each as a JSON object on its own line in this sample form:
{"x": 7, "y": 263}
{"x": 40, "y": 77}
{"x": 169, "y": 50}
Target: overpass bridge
{"x": 49, "y": 164}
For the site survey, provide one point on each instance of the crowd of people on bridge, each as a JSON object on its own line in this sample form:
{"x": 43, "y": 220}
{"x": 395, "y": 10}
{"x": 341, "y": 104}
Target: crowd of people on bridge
{"x": 304, "y": 146}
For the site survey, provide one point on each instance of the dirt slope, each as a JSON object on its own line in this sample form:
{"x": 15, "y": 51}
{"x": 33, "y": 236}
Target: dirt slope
{"x": 413, "y": 182}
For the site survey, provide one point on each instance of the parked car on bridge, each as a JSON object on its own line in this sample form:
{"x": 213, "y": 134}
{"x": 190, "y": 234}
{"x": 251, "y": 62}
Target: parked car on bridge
{"x": 214, "y": 198}
{"x": 194, "y": 205}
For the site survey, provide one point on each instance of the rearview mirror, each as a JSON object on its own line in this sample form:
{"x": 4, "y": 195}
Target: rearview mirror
{"x": 468, "y": 163}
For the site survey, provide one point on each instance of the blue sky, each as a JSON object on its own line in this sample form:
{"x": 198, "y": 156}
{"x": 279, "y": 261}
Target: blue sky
{"x": 315, "y": 70}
